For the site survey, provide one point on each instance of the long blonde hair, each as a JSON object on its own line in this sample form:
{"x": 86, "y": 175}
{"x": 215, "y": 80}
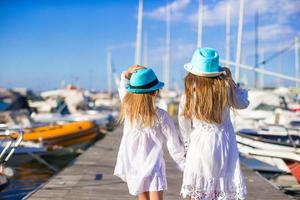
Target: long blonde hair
{"x": 139, "y": 108}
{"x": 207, "y": 98}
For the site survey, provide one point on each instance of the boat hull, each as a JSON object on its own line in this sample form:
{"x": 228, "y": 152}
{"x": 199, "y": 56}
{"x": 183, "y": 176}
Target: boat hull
{"x": 280, "y": 155}
{"x": 63, "y": 135}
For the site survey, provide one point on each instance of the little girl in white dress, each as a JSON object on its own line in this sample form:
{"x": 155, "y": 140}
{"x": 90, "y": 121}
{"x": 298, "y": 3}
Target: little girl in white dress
{"x": 140, "y": 160}
{"x": 212, "y": 170}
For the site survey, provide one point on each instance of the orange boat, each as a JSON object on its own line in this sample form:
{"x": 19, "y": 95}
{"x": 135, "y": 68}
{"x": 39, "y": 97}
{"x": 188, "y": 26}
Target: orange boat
{"x": 63, "y": 134}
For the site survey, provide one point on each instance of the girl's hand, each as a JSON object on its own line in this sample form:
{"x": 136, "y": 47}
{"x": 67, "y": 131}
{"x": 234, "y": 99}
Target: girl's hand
{"x": 132, "y": 69}
{"x": 228, "y": 73}
{"x": 228, "y": 77}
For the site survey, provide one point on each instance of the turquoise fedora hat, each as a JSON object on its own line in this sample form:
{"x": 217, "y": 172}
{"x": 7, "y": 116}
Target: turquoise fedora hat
{"x": 205, "y": 62}
{"x": 144, "y": 81}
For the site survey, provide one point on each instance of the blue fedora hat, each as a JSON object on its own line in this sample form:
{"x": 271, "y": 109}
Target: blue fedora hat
{"x": 144, "y": 81}
{"x": 205, "y": 62}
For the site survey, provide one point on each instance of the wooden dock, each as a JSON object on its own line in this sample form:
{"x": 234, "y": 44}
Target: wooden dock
{"x": 90, "y": 176}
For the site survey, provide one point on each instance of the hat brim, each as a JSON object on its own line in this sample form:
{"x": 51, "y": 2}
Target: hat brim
{"x": 158, "y": 86}
{"x": 188, "y": 67}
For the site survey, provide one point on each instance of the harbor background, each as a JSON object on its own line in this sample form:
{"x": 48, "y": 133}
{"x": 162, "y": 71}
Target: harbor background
{"x": 68, "y": 42}
{"x": 61, "y": 61}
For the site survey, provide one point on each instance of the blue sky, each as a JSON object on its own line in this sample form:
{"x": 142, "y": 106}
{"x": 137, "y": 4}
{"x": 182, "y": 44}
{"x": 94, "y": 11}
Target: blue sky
{"x": 43, "y": 42}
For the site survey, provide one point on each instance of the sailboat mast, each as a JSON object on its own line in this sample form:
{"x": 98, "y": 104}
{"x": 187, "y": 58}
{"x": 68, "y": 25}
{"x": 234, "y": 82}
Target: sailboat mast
{"x": 168, "y": 41}
{"x": 256, "y": 50}
{"x": 137, "y": 56}
{"x": 239, "y": 41}
{"x": 200, "y": 23}
{"x": 109, "y": 73}
{"x": 297, "y": 59}
{"x": 228, "y": 16}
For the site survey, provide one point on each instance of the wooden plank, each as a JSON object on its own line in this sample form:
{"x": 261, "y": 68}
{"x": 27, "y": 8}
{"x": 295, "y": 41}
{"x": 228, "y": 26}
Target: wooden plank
{"x": 91, "y": 177}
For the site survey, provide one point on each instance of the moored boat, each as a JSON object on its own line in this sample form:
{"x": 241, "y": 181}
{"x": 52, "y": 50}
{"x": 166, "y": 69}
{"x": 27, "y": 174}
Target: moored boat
{"x": 7, "y": 151}
{"x": 23, "y": 153}
{"x": 281, "y": 155}
{"x": 66, "y": 134}
{"x": 278, "y": 134}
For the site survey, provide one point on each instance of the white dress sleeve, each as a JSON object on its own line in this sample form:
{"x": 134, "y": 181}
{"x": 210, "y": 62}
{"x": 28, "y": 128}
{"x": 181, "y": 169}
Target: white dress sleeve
{"x": 242, "y": 101}
{"x": 174, "y": 144}
{"x": 185, "y": 125}
{"x": 122, "y": 87}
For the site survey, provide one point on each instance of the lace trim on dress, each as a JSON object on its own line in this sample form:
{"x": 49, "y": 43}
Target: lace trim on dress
{"x": 233, "y": 193}
{"x": 200, "y": 188}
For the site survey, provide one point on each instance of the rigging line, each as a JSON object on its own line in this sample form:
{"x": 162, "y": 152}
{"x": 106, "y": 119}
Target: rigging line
{"x": 277, "y": 54}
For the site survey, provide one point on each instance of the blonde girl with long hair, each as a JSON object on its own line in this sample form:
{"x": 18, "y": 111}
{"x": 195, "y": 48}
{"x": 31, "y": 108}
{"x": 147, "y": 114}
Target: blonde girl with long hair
{"x": 140, "y": 161}
{"x": 212, "y": 170}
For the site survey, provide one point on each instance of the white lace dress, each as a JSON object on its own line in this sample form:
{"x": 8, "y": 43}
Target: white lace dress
{"x": 140, "y": 160}
{"x": 212, "y": 170}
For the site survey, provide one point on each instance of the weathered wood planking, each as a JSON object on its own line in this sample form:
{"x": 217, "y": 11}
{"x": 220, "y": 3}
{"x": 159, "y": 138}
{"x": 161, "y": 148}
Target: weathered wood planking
{"x": 90, "y": 177}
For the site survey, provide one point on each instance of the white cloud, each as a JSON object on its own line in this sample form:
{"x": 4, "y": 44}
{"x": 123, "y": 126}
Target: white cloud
{"x": 177, "y": 7}
{"x": 275, "y": 31}
{"x": 290, "y": 6}
{"x": 213, "y": 16}
{"x": 279, "y": 10}
{"x": 271, "y": 32}
{"x": 266, "y": 48}
{"x": 215, "y": 13}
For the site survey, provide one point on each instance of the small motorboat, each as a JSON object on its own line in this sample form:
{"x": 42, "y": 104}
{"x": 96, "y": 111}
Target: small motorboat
{"x": 64, "y": 135}
{"x": 60, "y": 137}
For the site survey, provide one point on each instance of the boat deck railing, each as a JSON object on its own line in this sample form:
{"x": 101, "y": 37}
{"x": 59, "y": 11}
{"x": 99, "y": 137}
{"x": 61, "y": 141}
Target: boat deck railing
{"x": 10, "y": 142}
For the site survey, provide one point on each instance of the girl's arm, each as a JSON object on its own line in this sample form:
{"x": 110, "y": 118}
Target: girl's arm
{"x": 242, "y": 101}
{"x": 174, "y": 144}
{"x": 122, "y": 86}
{"x": 185, "y": 125}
